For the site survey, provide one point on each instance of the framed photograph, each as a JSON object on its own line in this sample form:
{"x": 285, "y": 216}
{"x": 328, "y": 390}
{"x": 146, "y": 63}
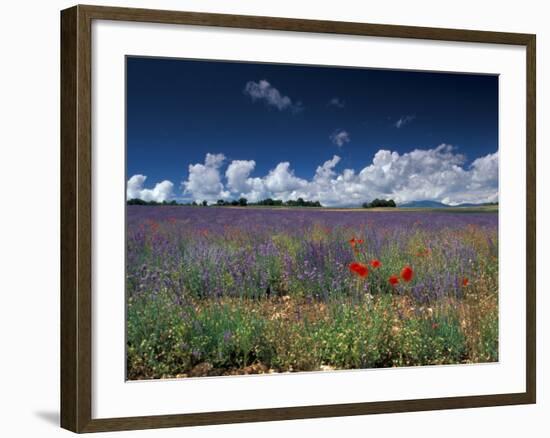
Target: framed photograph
{"x": 269, "y": 218}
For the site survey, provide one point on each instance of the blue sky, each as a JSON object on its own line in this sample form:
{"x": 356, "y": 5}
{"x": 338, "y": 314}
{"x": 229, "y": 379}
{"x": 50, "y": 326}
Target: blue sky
{"x": 399, "y": 134}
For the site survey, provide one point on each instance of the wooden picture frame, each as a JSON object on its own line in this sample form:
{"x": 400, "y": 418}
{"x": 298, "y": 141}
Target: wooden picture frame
{"x": 76, "y": 218}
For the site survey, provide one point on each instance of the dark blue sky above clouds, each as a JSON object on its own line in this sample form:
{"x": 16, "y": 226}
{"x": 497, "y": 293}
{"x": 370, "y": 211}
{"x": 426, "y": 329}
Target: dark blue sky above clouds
{"x": 386, "y": 128}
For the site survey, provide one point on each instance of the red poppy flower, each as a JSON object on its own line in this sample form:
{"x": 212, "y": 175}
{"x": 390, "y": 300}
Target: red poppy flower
{"x": 465, "y": 282}
{"x": 352, "y": 241}
{"x": 360, "y": 241}
{"x": 375, "y": 263}
{"x": 394, "y": 279}
{"x": 359, "y": 269}
{"x": 407, "y": 273}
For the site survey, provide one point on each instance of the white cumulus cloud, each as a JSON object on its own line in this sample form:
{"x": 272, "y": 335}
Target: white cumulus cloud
{"x": 263, "y": 90}
{"x": 204, "y": 182}
{"x": 237, "y": 174}
{"x": 281, "y": 180}
{"x": 161, "y": 192}
{"x": 279, "y": 183}
{"x": 340, "y": 137}
{"x": 439, "y": 174}
{"x": 326, "y": 172}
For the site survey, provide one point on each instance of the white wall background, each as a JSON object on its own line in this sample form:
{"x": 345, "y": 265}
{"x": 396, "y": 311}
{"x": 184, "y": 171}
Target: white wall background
{"x": 29, "y": 216}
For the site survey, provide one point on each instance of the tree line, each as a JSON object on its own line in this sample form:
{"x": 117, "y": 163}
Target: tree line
{"x": 241, "y": 202}
{"x": 137, "y": 201}
{"x": 379, "y": 203}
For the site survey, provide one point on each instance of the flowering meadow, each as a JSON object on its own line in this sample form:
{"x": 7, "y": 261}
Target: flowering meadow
{"x": 221, "y": 291}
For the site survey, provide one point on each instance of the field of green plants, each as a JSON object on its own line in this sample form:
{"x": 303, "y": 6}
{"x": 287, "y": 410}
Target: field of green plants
{"x": 222, "y": 291}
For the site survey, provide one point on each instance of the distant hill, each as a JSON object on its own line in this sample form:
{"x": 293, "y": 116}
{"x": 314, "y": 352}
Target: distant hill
{"x": 469, "y": 204}
{"x": 437, "y": 204}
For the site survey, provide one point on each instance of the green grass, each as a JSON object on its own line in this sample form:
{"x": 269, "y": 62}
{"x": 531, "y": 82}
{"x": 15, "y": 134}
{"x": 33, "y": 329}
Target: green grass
{"x": 285, "y": 334}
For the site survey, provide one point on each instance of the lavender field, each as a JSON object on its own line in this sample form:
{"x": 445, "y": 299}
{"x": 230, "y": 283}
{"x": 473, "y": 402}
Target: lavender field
{"x": 222, "y": 291}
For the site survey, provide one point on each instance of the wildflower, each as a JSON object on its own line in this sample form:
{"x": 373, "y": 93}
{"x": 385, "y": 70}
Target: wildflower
{"x": 375, "y": 263}
{"x": 352, "y": 241}
{"x": 465, "y": 282}
{"x": 360, "y": 241}
{"x": 407, "y": 273}
{"x": 393, "y": 280}
{"x": 359, "y": 269}
{"x": 435, "y": 325}
{"x": 423, "y": 252}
